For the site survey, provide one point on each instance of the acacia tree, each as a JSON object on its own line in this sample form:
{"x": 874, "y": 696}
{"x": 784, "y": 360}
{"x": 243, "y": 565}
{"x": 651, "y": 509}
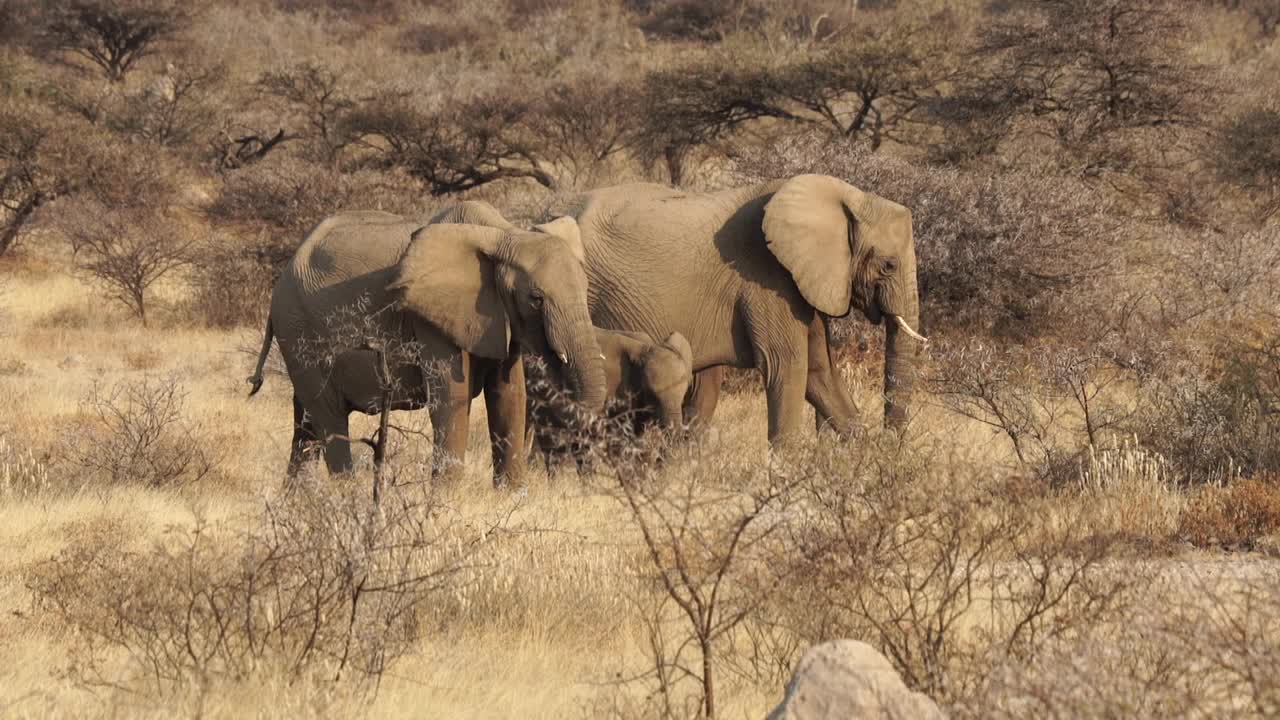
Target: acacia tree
{"x": 697, "y": 104}
{"x": 867, "y": 83}
{"x": 871, "y": 80}
{"x": 1094, "y": 76}
{"x": 585, "y": 121}
{"x": 112, "y": 34}
{"x": 457, "y": 147}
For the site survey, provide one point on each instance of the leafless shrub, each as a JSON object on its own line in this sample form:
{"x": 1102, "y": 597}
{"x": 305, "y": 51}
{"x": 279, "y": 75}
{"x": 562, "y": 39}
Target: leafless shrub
{"x": 126, "y": 251}
{"x": 138, "y": 432}
{"x": 996, "y": 386}
{"x": 13, "y": 366}
{"x": 316, "y": 94}
{"x": 1051, "y": 401}
{"x": 322, "y": 585}
{"x": 173, "y": 109}
{"x": 946, "y": 572}
{"x": 706, "y": 21}
{"x": 1209, "y": 422}
{"x": 143, "y": 359}
{"x": 372, "y": 336}
{"x": 707, "y": 538}
{"x": 437, "y": 37}
{"x": 45, "y": 156}
{"x": 1200, "y": 643}
{"x": 387, "y": 9}
{"x": 289, "y": 196}
{"x": 231, "y": 279}
{"x": 1264, "y": 14}
{"x": 34, "y": 168}
{"x": 1246, "y": 154}
{"x": 264, "y": 212}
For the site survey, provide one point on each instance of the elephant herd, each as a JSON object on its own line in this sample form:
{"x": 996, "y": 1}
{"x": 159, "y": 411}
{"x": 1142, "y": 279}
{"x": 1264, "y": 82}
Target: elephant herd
{"x": 636, "y": 296}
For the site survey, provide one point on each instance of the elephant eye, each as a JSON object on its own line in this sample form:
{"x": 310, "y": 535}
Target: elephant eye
{"x": 890, "y": 265}
{"x": 536, "y": 299}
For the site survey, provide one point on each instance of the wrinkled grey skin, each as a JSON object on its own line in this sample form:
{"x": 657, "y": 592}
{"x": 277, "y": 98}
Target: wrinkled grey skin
{"x": 467, "y": 297}
{"x": 750, "y": 276}
{"x": 645, "y": 386}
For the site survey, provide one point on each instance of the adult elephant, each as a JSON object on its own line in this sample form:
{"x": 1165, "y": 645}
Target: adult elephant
{"x": 751, "y": 275}
{"x": 463, "y": 298}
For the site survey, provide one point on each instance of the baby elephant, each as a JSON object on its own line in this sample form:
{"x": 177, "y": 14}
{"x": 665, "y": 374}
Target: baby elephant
{"x": 645, "y": 383}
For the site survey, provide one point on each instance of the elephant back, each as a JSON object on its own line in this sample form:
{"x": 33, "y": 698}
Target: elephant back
{"x": 350, "y": 245}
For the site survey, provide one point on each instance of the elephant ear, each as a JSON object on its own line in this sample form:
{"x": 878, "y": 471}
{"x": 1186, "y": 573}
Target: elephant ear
{"x": 678, "y": 344}
{"x": 807, "y": 226}
{"x": 566, "y": 228}
{"x": 446, "y": 276}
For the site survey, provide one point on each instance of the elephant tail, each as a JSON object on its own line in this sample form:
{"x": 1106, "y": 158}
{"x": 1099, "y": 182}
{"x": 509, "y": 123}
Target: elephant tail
{"x": 256, "y": 379}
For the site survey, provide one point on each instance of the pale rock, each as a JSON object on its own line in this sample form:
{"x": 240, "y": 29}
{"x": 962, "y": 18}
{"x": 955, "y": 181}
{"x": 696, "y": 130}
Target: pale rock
{"x": 848, "y": 679}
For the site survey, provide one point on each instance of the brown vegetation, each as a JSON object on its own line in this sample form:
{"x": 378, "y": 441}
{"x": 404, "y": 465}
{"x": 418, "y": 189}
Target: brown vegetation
{"x": 1072, "y": 526}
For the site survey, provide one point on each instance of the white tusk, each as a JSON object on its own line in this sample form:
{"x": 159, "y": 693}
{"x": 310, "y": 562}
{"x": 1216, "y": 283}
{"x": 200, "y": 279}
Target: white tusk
{"x": 564, "y": 359}
{"x": 907, "y": 329}
{"x": 602, "y": 357}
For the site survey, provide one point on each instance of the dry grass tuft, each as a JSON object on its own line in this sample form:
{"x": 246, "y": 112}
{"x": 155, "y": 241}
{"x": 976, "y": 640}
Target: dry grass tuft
{"x": 143, "y": 359}
{"x": 11, "y": 366}
{"x": 1130, "y": 491}
{"x": 65, "y": 318}
{"x": 23, "y": 475}
{"x": 1233, "y": 516}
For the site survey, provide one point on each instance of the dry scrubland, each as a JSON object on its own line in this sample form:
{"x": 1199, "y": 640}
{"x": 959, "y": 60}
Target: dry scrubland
{"x": 1082, "y": 520}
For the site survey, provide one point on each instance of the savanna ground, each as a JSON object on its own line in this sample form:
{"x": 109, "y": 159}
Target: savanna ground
{"x": 1082, "y": 520}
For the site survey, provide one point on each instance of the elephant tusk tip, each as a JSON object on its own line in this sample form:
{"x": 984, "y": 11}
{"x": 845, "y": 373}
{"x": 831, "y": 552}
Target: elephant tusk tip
{"x": 602, "y": 357}
{"x": 564, "y": 359}
{"x": 902, "y": 324}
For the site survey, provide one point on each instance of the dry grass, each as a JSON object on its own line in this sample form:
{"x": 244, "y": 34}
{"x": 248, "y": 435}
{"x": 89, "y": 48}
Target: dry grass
{"x": 552, "y": 616}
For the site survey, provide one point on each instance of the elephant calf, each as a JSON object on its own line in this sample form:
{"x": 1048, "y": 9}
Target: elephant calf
{"x": 645, "y": 385}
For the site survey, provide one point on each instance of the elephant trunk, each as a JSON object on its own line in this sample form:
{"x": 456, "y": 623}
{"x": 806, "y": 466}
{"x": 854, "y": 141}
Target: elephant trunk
{"x": 574, "y": 344}
{"x": 673, "y": 418}
{"x": 901, "y": 358}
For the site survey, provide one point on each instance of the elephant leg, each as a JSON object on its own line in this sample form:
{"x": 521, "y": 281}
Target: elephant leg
{"x": 304, "y": 437}
{"x": 833, "y": 408}
{"x": 505, "y": 403}
{"x": 450, "y": 422}
{"x": 450, "y": 428}
{"x": 704, "y": 395}
{"x": 332, "y": 429}
{"x": 784, "y": 388}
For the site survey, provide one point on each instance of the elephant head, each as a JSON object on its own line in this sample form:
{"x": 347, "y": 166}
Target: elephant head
{"x": 667, "y": 368}
{"x": 483, "y": 287}
{"x": 847, "y": 249}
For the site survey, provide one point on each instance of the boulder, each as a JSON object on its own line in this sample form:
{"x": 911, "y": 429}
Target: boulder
{"x": 848, "y": 679}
